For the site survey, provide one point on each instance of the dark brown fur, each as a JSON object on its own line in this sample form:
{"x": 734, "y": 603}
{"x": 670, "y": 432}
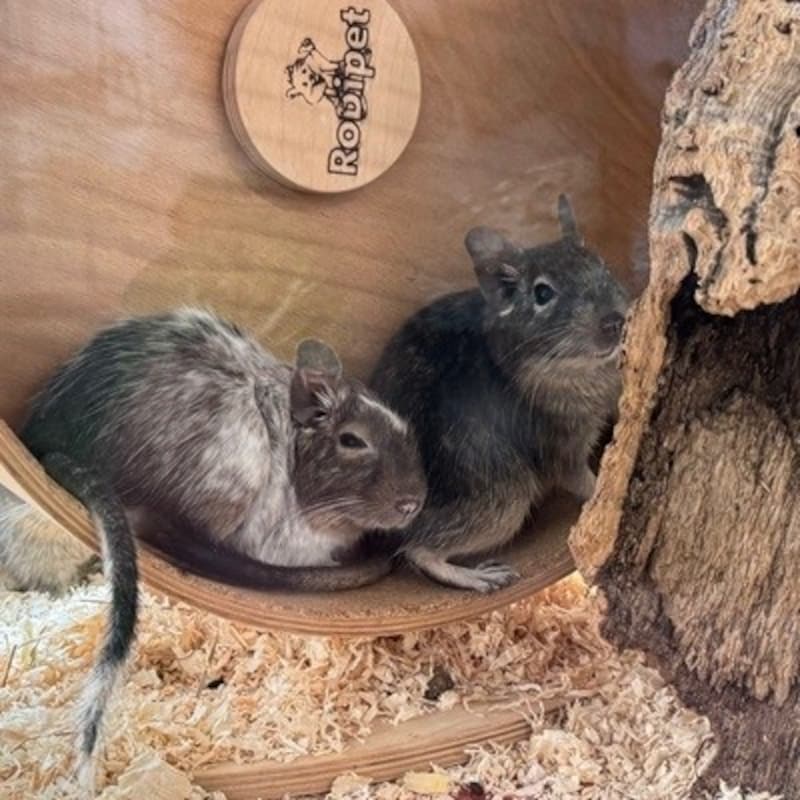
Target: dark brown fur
{"x": 508, "y": 388}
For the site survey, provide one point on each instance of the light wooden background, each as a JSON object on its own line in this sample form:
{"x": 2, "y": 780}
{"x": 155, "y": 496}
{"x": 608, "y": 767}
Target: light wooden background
{"x": 124, "y": 190}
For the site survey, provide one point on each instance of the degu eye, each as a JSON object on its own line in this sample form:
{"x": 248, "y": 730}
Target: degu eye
{"x": 352, "y": 442}
{"x": 543, "y": 293}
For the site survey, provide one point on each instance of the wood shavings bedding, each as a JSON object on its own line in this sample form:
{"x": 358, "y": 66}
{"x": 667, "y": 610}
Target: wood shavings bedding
{"x": 202, "y": 690}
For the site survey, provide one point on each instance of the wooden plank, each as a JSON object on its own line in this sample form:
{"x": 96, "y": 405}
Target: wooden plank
{"x": 440, "y": 738}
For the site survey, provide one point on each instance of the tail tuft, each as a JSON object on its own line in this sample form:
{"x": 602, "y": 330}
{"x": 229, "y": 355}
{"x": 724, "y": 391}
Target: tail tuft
{"x": 120, "y": 558}
{"x": 94, "y": 700}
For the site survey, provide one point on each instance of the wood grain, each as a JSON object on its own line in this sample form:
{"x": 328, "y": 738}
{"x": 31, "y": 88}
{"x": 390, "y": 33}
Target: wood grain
{"x": 321, "y": 98}
{"x": 402, "y": 602}
{"x": 441, "y": 738}
{"x": 693, "y": 535}
{"x": 124, "y": 189}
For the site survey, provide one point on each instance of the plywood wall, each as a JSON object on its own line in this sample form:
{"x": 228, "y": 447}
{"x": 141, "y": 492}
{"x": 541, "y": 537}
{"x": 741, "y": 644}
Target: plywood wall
{"x": 123, "y": 189}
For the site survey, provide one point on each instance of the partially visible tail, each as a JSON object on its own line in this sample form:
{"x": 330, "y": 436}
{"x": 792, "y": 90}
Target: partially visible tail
{"x": 207, "y": 558}
{"x": 119, "y": 551}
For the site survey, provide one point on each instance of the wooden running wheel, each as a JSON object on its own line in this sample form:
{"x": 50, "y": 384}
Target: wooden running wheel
{"x": 519, "y": 104}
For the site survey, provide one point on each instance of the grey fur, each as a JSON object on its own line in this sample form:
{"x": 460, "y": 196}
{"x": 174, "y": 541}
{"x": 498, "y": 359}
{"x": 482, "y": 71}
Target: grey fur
{"x": 186, "y": 415}
{"x": 507, "y": 392}
{"x": 182, "y": 422}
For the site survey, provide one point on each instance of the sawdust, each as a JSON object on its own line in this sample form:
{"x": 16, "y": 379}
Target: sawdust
{"x": 203, "y": 691}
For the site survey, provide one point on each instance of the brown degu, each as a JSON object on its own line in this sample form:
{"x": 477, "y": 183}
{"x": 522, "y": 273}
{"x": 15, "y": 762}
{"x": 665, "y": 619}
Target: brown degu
{"x": 508, "y": 388}
{"x": 183, "y": 423}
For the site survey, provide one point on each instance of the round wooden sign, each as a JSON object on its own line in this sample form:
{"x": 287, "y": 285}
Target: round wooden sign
{"x": 321, "y": 94}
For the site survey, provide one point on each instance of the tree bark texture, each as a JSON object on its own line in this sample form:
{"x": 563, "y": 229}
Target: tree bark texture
{"x": 693, "y": 535}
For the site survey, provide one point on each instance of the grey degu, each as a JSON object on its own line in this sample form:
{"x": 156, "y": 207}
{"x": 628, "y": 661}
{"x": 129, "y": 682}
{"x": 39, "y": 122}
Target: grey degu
{"x": 508, "y": 388}
{"x": 183, "y": 423}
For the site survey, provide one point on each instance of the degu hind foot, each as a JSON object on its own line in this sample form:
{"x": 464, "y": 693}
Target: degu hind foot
{"x": 488, "y": 576}
{"x": 89, "y": 568}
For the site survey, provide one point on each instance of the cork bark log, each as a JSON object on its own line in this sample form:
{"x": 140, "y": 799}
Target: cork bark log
{"x": 693, "y": 535}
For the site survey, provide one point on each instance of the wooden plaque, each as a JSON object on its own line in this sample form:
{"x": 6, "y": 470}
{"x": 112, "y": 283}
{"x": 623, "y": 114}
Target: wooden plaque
{"x": 323, "y": 95}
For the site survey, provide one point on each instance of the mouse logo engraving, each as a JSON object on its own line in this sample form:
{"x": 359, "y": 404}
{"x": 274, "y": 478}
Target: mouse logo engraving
{"x": 343, "y": 83}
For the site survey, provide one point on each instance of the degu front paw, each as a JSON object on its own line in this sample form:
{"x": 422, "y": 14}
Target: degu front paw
{"x": 490, "y": 576}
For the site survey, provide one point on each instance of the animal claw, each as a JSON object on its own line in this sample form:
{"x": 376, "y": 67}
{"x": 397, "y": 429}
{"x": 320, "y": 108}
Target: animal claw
{"x": 493, "y": 575}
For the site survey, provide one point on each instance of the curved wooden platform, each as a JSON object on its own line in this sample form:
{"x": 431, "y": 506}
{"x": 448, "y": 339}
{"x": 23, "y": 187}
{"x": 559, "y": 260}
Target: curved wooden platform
{"x": 402, "y": 602}
{"x": 441, "y": 738}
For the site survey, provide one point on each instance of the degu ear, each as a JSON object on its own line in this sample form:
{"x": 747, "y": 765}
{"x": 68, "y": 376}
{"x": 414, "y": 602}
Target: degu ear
{"x": 493, "y": 257}
{"x": 316, "y": 377}
{"x": 566, "y": 219}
